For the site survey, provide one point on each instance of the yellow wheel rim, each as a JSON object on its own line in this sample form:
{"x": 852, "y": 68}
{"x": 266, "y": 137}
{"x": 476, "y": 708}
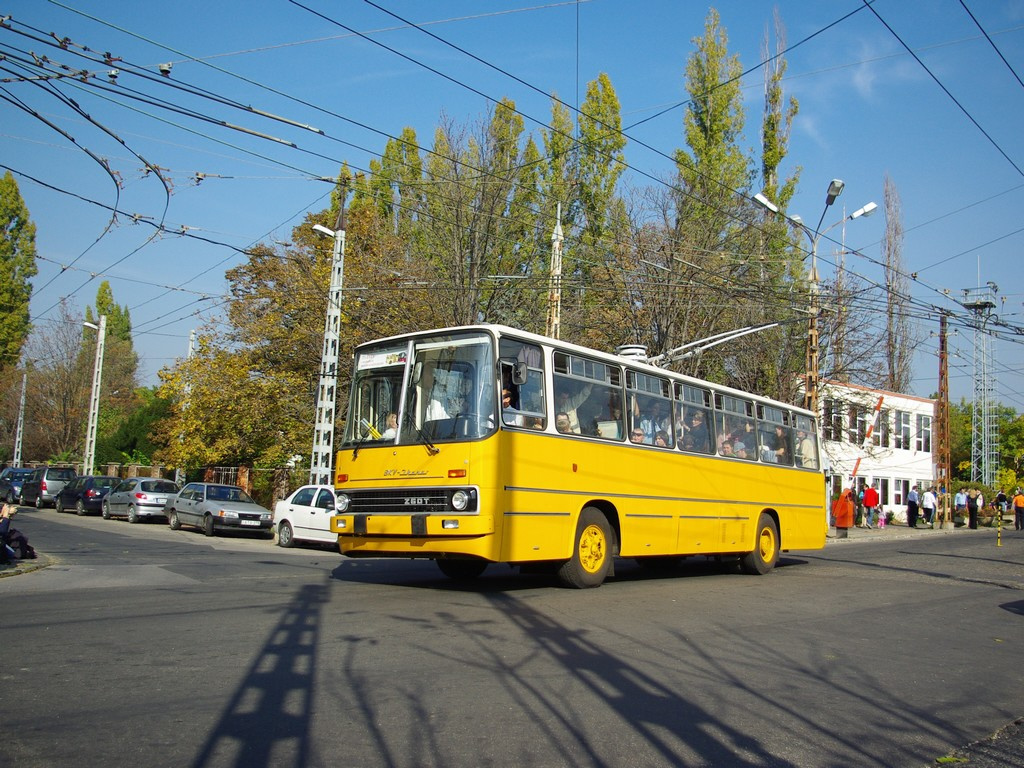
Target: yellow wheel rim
{"x": 593, "y": 548}
{"x": 767, "y": 544}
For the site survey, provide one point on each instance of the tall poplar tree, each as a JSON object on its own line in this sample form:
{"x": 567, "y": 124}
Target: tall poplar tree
{"x": 17, "y": 268}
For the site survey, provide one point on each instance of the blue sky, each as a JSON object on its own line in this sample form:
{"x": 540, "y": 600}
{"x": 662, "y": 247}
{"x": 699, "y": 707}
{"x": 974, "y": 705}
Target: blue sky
{"x": 948, "y": 135}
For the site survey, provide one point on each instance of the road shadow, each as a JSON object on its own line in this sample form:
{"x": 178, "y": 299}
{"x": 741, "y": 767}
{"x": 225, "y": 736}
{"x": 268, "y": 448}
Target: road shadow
{"x": 267, "y": 720}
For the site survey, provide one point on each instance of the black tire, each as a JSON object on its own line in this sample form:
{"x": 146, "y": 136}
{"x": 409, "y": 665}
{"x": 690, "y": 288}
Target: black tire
{"x": 58, "y": 504}
{"x": 80, "y": 508}
{"x": 766, "y": 548}
{"x": 173, "y": 521}
{"x": 105, "y": 510}
{"x": 285, "y": 534}
{"x": 592, "y": 551}
{"x": 10, "y": 496}
{"x": 208, "y": 525}
{"x": 39, "y": 501}
{"x": 21, "y": 499}
{"x": 133, "y": 514}
{"x": 462, "y": 570}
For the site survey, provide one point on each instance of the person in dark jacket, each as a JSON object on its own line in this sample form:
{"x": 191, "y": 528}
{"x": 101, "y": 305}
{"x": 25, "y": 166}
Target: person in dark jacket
{"x": 11, "y": 537}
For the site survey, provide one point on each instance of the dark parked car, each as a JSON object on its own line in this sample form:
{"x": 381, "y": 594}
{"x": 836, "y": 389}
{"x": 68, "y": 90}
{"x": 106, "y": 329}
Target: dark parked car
{"x": 211, "y": 506}
{"x": 85, "y": 494}
{"x": 138, "y": 497}
{"x": 42, "y": 486}
{"x": 11, "y": 479}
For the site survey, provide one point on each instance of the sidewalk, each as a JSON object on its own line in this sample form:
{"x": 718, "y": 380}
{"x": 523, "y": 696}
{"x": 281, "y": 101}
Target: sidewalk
{"x": 902, "y": 531}
{"x": 17, "y": 567}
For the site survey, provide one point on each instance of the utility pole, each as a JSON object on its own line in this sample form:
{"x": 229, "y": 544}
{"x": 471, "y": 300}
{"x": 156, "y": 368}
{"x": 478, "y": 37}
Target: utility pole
{"x": 321, "y": 464}
{"x": 94, "y": 398}
{"x": 20, "y": 431}
{"x": 179, "y": 473}
{"x": 942, "y": 437}
{"x": 554, "y": 323}
{"x": 984, "y": 426}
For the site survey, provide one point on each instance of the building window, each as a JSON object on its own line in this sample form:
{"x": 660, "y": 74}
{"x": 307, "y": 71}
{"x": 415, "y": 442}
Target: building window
{"x": 903, "y": 430}
{"x": 883, "y": 491}
{"x": 882, "y": 435}
{"x": 858, "y": 423}
{"x": 832, "y": 424}
{"x": 924, "y": 433}
{"x": 902, "y": 489}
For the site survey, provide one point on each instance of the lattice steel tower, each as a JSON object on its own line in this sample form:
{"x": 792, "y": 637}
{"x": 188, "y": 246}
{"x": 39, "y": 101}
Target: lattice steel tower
{"x": 984, "y": 422}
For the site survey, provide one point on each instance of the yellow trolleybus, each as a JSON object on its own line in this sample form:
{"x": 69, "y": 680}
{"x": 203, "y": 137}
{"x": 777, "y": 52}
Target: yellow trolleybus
{"x": 486, "y": 444}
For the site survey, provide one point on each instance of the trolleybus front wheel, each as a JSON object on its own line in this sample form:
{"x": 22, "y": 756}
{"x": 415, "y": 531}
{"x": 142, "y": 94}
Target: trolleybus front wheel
{"x": 766, "y": 547}
{"x": 592, "y": 552}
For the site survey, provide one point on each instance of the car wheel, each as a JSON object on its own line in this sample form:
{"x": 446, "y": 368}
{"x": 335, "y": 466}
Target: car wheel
{"x": 208, "y": 525}
{"x": 173, "y": 521}
{"x": 133, "y": 515}
{"x": 21, "y": 499}
{"x": 80, "y": 508}
{"x": 105, "y": 510}
{"x": 285, "y": 534}
{"x": 58, "y": 504}
{"x": 10, "y": 497}
{"x": 39, "y": 501}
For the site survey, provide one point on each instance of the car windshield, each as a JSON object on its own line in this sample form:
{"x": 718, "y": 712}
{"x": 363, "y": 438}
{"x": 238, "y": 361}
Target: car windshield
{"x": 105, "y": 482}
{"x": 436, "y": 389}
{"x": 227, "y": 493}
{"x": 60, "y": 474}
{"x": 18, "y": 474}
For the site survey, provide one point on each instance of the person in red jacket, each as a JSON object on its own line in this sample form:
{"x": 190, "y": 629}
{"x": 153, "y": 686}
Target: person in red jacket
{"x": 870, "y": 505}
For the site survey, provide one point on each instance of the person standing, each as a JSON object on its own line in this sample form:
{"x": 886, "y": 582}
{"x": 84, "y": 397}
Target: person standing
{"x": 974, "y": 502}
{"x": 912, "y": 506}
{"x": 960, "y": 504}
{"x": 928, "y": 504}
{"x": 1001, "y": 504}
{"x": 1018, "y": 510}
{"x": 870, "y": 504}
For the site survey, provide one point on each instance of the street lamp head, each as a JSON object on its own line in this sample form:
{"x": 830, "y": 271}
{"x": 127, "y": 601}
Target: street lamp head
{"x": 764, "y": 202}
{"x": 835, "y": 189}
{"x": 867, "y": 210}
{"x": 87, "y": 324}
{"x": 323, "y": 230}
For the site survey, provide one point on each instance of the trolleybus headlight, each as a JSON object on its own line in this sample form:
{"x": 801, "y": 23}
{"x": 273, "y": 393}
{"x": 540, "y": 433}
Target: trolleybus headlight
{"x": 460, "y": 500}
{"x": 343, "y": 502}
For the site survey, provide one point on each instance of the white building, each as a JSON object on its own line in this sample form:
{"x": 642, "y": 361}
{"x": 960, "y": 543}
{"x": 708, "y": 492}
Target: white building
{"x": 874, "y": 436}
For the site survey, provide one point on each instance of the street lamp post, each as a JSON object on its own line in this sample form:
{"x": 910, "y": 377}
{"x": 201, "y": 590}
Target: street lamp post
{"x": 94, "y": 398}
{"x": 322, "y": 460}
{"x": 813, "y": 368}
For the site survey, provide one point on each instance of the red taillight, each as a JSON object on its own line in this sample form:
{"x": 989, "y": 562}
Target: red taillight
{"x": 92, "y": 492}
{"x": 141, "y": 496}
{"x": 42, "y": 485}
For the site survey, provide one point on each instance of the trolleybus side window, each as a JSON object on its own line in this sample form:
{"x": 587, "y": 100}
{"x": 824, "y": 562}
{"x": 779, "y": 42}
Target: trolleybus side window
{"x": 734, "y": 424}
{"x": 694, "y": 423}
{"x": 522, "y": 377}
{"x": 650, "y": 409}
{"x": 806, "y": 442}
{"x": 775, "y": 435}
{"x": 590, "y": 394}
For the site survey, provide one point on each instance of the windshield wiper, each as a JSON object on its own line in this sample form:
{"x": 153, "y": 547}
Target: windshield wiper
{"x": 431, "y": 448}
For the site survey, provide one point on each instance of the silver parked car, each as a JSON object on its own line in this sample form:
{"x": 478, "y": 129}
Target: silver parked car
{"x": 42, "y": 486}
{"x": 138, "y": 497}
{"x": 211, "y": 506}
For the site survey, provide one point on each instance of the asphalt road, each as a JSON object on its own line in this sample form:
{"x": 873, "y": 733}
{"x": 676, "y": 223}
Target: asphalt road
{"x": 144, "y": 646}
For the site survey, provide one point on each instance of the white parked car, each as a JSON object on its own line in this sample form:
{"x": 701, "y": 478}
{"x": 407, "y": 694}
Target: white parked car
{"x": 306, "y": 516}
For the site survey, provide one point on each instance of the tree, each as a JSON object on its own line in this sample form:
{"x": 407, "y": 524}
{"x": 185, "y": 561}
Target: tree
{"x": 17, "y": 268}
{"x": 899, "y": 346}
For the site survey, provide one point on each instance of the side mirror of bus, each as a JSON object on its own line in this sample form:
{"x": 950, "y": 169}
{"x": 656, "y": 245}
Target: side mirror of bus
{"x": 417, "y": 373}
{"x": 519, "y": 373}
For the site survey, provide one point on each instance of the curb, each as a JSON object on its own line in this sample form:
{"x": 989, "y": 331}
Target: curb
{"x": 18, "y": 567}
